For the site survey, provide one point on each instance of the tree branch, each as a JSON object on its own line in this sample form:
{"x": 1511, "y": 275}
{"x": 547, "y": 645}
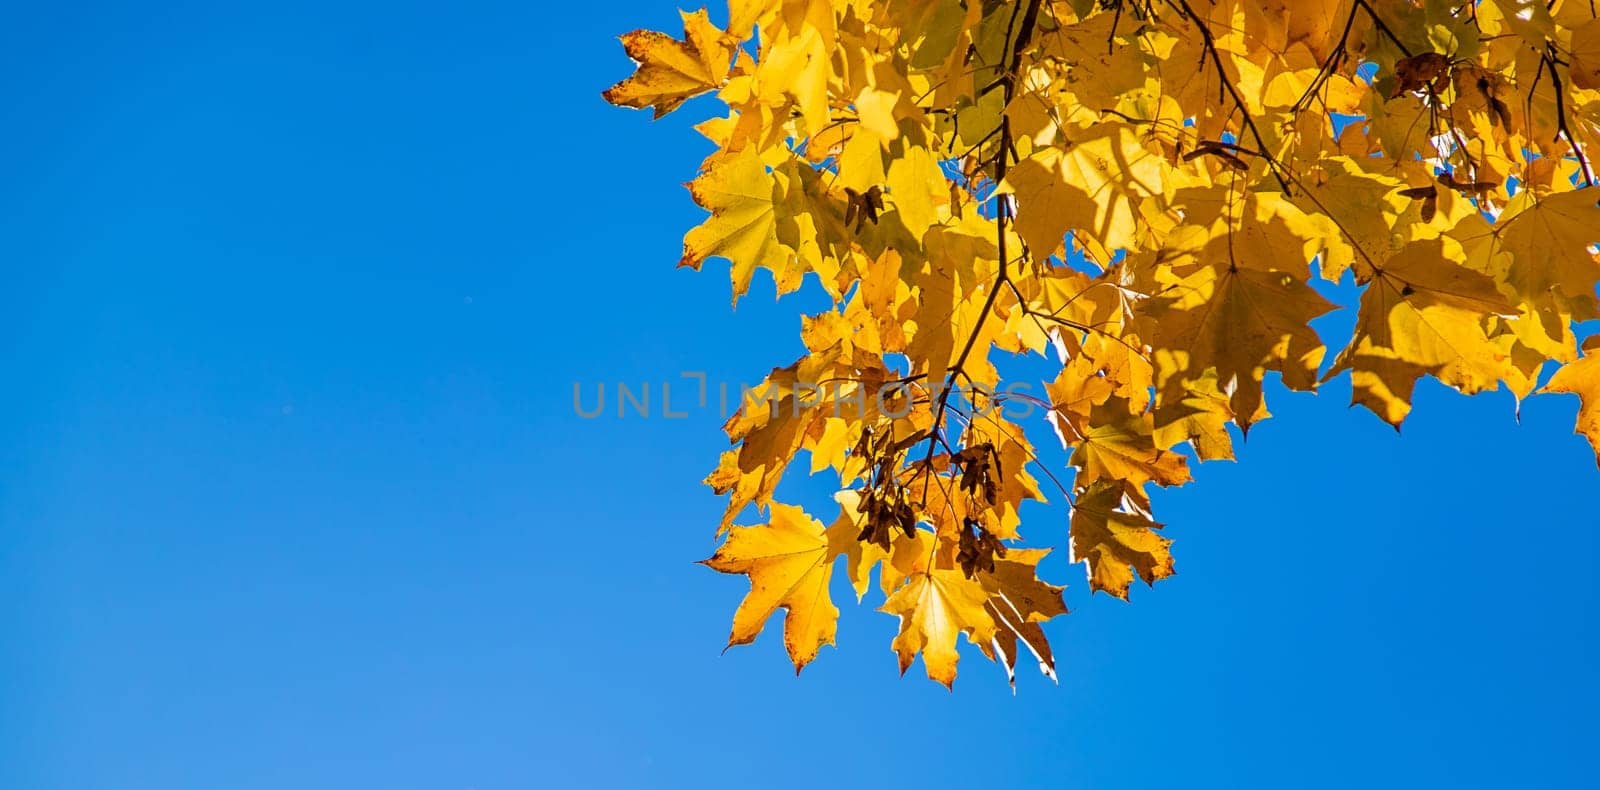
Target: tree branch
{"x": 1030, "y": 19}
{"x": 1210, "y": 45}
{"x": 1561, "y": 116}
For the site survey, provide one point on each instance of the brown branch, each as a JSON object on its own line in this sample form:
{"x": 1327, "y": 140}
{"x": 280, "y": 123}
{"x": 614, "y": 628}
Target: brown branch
{"x": 1210, "y": 45}
{"x": 1561, "y": 116}
{"x": 1377, "y": 22}
{"x": 1324, "y": 73}
{"x": 1030, "y": 19}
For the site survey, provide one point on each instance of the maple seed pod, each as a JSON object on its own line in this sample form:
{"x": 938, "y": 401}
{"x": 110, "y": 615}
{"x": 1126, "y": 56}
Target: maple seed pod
{"x": 1415, "y": 73}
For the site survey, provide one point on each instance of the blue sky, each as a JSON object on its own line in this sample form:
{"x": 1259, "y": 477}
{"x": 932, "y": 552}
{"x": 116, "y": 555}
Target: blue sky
{"x": 293, "y": 493}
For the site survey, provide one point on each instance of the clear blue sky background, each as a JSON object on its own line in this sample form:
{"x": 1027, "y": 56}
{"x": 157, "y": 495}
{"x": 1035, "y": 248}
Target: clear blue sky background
{"x": 292, "y": 494}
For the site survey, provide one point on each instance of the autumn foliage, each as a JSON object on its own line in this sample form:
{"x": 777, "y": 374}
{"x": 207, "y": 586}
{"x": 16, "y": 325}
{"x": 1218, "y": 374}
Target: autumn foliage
{"x": 1140, "y": 190}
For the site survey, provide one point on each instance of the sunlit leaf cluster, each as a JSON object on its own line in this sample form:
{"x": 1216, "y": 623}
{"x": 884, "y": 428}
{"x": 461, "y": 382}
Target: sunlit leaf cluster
{"x": 1141, "y": 192}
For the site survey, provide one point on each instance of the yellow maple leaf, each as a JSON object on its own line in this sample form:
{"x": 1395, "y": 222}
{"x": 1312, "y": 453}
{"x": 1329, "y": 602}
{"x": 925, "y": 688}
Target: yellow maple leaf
{"x": 1018, "y": 602}
{"x": 1582, "y": 378}
{"x": 1542, "y": 247}
{"x": 671, "y": 71}
{"x": 1120, "y": 445}
{"x": 945, "y": 315}
{"x": 1095, "y": 184}
{"x": 789, "y": 564}
{"x": 1239, "y": 323}
{"x": 934, "y": 607}
{"x": 743, "y": 197}
{"x": 1199, "y": 416}
{"x": 1585, "y": 67}
{"x": 1423, "y": 315}
{"x": 1114, "y": 543}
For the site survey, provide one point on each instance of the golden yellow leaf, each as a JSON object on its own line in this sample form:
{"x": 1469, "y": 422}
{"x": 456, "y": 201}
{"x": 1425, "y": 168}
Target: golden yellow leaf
{"x": 1200, "y": 417}
{"x": 798, "y": 67}
{"x": 671, "y": 71}
{"x": 1095, "y": 185}
{"x": 1237, "y": 324}
{"x": 1423, "y": 315}
{"x": 1542, "y": 245}
{"x": 934, "y": 607}
{"x": 742, "y": 196}
{"x": 946, "y": 315}
{"x": 1120, "y": 445}
{"x": 789, "y": 565}
{"x": 1585, "y": 67}
{"x": 1582, "y": 378}
{"x": 1367, "y": 206}
{"x": 1073, "y": 396}
{"x": 917, "y": 188}
{"x": 1114, "y": 542}
{"x": 1018, "y": 602}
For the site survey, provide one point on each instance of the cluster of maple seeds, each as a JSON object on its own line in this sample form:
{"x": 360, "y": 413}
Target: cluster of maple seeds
{"x": 886, "y": 504}
{"x": 1154, "y": 182}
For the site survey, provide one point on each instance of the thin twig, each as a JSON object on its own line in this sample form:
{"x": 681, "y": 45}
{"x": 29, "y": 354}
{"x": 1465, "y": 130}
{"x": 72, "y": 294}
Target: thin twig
{"x": 1210, "y": 45}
